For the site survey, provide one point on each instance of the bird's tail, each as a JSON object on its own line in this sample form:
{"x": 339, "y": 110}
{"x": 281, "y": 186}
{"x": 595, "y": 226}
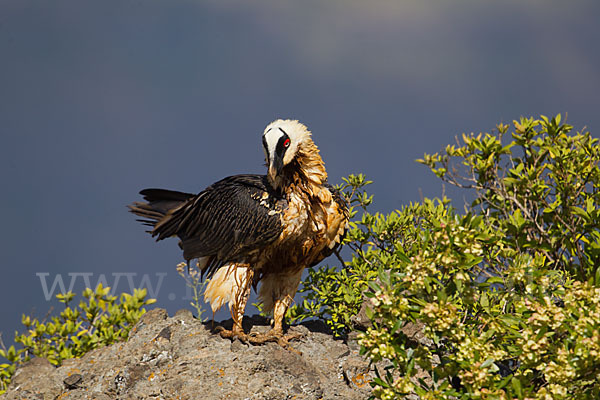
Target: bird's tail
{"x": 158, "y": 203}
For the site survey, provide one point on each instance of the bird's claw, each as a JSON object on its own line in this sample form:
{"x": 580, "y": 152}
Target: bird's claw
{"x": 276, "y": 337}
{"x": 232, "y": 334}
{"x": 256, "y": 338}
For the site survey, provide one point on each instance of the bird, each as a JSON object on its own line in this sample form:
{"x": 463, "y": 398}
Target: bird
{"x": 247, "y": 229}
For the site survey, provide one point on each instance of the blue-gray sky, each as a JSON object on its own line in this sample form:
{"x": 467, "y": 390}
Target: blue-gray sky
{"x": 99, "y": 99}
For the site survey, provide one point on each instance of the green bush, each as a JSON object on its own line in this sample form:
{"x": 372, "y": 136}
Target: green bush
{"x": 507, "y": 295}
{"x": 96, "y": 322}
{"x": 541, "y": 188}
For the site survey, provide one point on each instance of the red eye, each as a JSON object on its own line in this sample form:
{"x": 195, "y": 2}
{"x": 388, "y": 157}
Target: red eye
{"x": 286, "y": 143}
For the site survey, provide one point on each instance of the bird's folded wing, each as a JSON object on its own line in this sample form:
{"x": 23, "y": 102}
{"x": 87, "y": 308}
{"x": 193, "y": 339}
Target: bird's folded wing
{"x": 225, "y": 222}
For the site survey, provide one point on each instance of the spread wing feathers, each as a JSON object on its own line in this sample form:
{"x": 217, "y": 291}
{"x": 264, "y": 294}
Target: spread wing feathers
{"x": 224, "y": 223}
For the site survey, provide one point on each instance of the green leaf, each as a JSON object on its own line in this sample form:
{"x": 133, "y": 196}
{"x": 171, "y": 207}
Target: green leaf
{"x": 516, "y": 385}
{"x": 484, "y": 301}
{"x": 403, "y": 257}
{"x": 487, "y": 363}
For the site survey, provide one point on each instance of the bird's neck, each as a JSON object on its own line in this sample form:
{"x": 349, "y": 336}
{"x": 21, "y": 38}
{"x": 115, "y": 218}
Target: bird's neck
{"x": 306, "y": 172}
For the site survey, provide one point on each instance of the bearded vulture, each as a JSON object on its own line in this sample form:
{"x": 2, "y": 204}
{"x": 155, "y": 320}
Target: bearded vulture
{"x": 250, "y": 229}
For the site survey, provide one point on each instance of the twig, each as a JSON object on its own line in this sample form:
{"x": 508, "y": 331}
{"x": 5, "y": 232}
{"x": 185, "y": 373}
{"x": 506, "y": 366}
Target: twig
{"x": 339, "y": 257}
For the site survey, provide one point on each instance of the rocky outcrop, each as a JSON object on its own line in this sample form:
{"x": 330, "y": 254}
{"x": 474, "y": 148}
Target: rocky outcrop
{"x": 180, "y": 358}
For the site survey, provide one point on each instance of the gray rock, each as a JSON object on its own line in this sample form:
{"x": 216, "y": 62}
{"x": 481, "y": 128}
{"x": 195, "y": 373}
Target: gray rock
{"x": 33, "y": 375}
{"x": 180, "y": 357}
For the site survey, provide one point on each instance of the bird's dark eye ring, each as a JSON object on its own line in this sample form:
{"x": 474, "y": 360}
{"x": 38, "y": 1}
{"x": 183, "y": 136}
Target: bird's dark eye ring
{"x": 286, "y": 143}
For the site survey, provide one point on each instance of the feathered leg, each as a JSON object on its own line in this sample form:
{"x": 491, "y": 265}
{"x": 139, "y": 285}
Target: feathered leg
{"x": 277, "y": 293}
{"x": 241, "y": 292}
{"x": 279, "y": 310}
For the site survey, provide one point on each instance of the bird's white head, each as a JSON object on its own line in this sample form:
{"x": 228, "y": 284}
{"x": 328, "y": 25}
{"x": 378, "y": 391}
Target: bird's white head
{"x": 282, "y": 141}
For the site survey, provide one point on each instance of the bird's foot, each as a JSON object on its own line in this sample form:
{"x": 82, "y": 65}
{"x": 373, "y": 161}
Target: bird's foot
{"x": 236, "y": 332}
{"x": 275, "y": 336}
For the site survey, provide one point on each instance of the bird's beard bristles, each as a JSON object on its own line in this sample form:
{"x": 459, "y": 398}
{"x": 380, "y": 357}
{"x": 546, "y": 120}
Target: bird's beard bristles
{"x": 224, "y": 284}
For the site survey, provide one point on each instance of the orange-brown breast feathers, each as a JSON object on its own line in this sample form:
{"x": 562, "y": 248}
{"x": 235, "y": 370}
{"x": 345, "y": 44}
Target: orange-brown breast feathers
{"x": 314, "y": 224}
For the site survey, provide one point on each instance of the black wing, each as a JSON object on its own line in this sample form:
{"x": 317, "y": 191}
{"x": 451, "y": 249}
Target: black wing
{"x": 226, "y": 221}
